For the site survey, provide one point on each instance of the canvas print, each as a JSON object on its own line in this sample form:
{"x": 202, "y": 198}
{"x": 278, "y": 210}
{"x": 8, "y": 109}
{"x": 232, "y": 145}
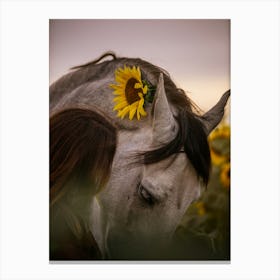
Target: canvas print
{"x": 139, "y": 140}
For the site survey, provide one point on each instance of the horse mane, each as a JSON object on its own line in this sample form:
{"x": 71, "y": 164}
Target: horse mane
{"x": 191, "y": 135}
{"x": 93, "y": 62}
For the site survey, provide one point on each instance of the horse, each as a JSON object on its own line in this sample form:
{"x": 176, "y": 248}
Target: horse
{"x": 162, "y": 159}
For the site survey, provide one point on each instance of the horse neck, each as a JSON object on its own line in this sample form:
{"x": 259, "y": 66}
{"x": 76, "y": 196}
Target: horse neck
{"x": 90, "y": 90}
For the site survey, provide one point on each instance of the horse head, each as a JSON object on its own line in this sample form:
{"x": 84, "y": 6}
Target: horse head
{"x": 161, "y": 161}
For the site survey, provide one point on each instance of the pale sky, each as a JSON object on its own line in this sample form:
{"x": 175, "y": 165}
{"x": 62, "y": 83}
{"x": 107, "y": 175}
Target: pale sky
{"x": 196, "y": 53}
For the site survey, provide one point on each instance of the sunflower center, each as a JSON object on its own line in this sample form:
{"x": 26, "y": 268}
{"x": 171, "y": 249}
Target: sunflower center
{"x": 131, "y": 93}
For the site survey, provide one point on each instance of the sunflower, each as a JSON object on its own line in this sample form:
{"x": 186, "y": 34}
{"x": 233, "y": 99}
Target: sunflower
{"x": 222, "y": 131}
{"x": 219, "y": 144}
{"x": 200, "y": 206}
{"x": 225, "y": 175}
{"x": 129, "y": 92}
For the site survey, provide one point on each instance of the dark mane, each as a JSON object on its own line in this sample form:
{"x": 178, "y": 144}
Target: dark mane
{"x": 191, "y": 136}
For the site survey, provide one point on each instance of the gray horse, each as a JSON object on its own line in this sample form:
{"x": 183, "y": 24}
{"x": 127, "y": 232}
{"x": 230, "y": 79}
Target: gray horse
{"x": 162, "y": 158}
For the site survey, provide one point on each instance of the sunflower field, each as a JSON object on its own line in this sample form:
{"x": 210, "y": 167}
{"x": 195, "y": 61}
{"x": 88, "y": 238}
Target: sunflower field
{"x": 204, "y": 233}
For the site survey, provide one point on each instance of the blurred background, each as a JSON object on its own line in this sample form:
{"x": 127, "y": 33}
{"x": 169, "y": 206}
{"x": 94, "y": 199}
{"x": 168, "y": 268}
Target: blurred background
{"x": 204, "y": 233}
{"x": 196, "y": 53}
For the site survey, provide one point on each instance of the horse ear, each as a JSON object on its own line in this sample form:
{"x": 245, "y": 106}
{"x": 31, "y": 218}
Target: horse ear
{"x": 164, "y": 124}
{"x": 212, "y": 118}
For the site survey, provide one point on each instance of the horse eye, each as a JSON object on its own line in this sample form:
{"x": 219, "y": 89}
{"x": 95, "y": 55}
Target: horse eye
{"x": 145, "y": 195}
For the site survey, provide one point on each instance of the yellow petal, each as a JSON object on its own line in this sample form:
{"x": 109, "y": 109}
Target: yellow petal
{"x": 145, "y": 89}
{"x": 134, "y": 70}
{"x": 123, "y": 112}
{"x": 140, "y": 108}
{"x": 124, "y": 74}
{"x": 139, "y": 72}
{"x": 137, "y": 85}
{"x": 132, "y": 112}
{"x": 120, "y": 105}
{"x": 118, "y": 92}
{"x": 127, "y": 70}
{"x": 138, "y": 115}
{"x": 142, "y": 112}
{"x": 117, "y": 87}
{"x": 135, "y": 73}
{"x": 122, "y": 70}
{"x": 119, "y": 99}
{"x": 120, "y": 80}
{"x": 114, "y": 86}
{"x": 135, "y": 104}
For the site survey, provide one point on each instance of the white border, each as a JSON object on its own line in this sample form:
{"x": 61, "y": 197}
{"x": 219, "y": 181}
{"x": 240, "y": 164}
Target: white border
{"x": 255, "y": 141}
